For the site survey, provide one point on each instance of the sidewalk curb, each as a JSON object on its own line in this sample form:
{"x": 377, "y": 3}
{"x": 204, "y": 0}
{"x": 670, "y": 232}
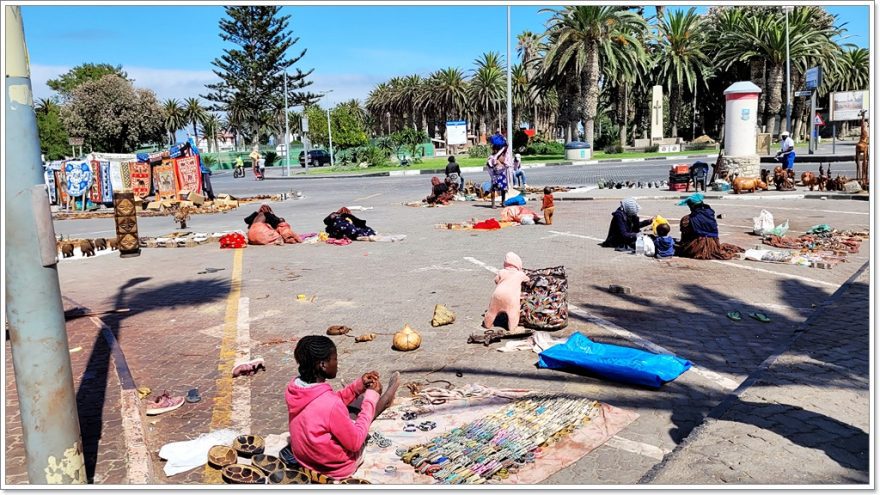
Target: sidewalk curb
{"x": 728, "y": 401}
{"x": 737, "y": 197}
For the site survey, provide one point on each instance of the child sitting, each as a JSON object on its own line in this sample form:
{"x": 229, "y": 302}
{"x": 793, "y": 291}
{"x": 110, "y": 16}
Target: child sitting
{"x": 547, "y": 206}
{"x": 323, "y": 437}
{"x": 506, "y": 297}
{"x": 664, "y": 244}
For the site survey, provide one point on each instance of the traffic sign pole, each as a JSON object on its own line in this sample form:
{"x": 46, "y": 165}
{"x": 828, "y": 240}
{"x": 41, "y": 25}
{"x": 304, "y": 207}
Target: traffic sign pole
{"x": 813, "y": 136}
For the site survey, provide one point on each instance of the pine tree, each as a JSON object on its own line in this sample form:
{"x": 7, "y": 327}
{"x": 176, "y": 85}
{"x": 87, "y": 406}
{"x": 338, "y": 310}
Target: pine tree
{"x": 252, "y": 75}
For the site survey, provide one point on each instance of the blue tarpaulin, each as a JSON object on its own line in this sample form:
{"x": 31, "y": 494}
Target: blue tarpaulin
{"x": 614, "y": 362}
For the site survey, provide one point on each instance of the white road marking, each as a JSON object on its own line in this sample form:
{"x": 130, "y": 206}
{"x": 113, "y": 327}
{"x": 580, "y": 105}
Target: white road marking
{"x": 241, "y": 389}
{"x": 722, "y": 381}
{"x": 138, "y": 466}
{"x": 569, "y": 234}
{"x": 368, "y": 197}
{"x": 640, "y": 448}
{"x": 779, "y": 274}
{"x": 793, "y": 209}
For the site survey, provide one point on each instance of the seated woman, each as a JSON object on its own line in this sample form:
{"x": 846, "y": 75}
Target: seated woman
{"x": 440, "y": 193}
{"x": 625, "y": 226}
{"x": 264, "y": 227}
{"x": 324, "y": 436}
{"x": 342, "y": 224}
{"x": 699, "y": 233}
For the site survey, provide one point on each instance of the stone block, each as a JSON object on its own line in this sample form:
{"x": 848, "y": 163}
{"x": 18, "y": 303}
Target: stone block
{"x": 154, "y": 206}
{"x": 745, "y": 166}
{"x": 642, "y": 143}
{"x": 852, "y": 187}
{"x": 196, "y": 199}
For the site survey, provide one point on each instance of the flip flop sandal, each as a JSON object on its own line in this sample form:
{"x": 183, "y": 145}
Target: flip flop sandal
{"x": 760, "y": 317}
{"x": 248, "y": 445}
{"x": 268, "y": 463}
{"x": 338, "y": 330}
{"x": 289, "y": 477}
{"x": 221, "y": 456}
{"x": 241, "y": 474}
{"x": 734, "y": 315}
{"x": 286, "y": 456}
{"x": 193, "y": 396}
{"x": 354, "y": 481}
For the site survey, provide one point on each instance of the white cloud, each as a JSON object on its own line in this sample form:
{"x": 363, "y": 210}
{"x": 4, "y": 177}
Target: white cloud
{"x": 175, "y": 83}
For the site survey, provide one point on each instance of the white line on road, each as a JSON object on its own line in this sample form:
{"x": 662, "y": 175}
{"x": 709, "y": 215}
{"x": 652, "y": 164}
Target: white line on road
{"x": 241, "y": 390}
{"x": 722, "y": 381}
{"x": 733, "y": 203}
{"x": 780, "y": 274}
{"x": 640, "y": 448}
{"x": 569, "y": 234}
{"x": 368, "y": 197}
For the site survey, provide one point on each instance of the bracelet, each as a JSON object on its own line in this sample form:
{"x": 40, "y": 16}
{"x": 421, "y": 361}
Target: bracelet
{"x": 390, "y": 469}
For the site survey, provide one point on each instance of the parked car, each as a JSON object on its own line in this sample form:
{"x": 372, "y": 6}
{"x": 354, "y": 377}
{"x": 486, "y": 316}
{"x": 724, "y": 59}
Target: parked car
{"x": 317, "y": 158}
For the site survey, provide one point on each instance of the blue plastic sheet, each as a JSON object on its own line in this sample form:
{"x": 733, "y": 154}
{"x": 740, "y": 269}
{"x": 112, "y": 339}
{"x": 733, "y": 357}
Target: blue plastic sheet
{"x": 518, "y": 200}
{"x": 614, "y": 362}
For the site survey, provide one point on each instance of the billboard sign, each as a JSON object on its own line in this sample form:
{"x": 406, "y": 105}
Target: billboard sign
{"x": 813, "y": 78}
{"x": 456, "y": 132}
{"x": 846, "y": 105}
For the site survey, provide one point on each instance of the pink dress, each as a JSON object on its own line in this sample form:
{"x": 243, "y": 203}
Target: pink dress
{"x": 506, "y": 297}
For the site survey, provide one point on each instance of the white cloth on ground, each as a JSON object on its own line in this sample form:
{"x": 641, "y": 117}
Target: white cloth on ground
{"x": 189, "y": 454}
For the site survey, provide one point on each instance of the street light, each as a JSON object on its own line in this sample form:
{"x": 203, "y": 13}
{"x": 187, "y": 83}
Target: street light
{"x": 509, "y": 88}
{"x": 330, "y": 134}
{"x": 286, "y": 131}
{"x": 787, "y": 9}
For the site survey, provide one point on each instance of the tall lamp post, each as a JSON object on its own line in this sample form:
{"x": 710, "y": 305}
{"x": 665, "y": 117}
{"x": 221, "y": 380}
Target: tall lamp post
{"x": 787, "y": 9}
{"x": 330, "y": 135}
{"x": 286, "y": 131}
{"x": 509, "y": 88}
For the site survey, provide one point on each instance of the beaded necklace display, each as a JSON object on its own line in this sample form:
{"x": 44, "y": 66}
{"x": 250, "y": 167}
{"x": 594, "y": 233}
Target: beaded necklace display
{"x": 491, "y": 448}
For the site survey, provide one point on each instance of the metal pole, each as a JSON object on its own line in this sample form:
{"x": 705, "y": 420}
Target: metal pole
{"x": 812, "y": 142}
{"x": 833, "y": 138}
{"x": 787, "y": 76}
{"x": 286, "y": 130}
{"x": 37, "y": 334}
{"x": 509, "y": 87}
{"x": 330, "y": 135}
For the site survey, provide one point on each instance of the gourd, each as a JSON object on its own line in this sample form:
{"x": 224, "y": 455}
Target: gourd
{"x": 407, "y": 339}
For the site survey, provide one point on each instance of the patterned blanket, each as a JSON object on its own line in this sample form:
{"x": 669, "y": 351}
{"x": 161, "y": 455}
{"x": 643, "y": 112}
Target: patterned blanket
{"x": 141, "y": 176}
{"x": 166, "y": 186}
{"x": 106, "y": 182}
{"x": 189, "y": 174}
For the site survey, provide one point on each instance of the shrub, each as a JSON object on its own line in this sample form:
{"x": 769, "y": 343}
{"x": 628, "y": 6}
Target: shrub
{"x": 371, "y": 154}
{"x": 479, "y": 151}
{"x": 700, "y": 146}
{"x": 520, "y": 141}
{"x": 539, "y": 147}
{"x": 271, "y": 158}
{"x": 652, "y": 149}
{"x": 613, "y": 149}
{"x": 208, "y": 160}
{"x": 343, "y": 157}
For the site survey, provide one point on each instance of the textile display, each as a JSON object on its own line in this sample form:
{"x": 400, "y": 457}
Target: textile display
{"x": 233, "y": 240}
{"x": 61, "y": 187}
{"x": 544, "y": 299}
{"x": 95, "y": 193}
{"x": 106, "y": 183}
{"x": 116, "y": 177}
{"x": 78, "y": 175}
{"x": 49, "y": 176}
{"x": 613, "y": 362}
{"x": 125, "y": 215}
{"x": 606, "y": 421}
{"x": 125, "y": 173}
{"x": 835, "y": 241}
{"x": 141, "y": 178}
{"x": 189, "y": 174}
{"x": 166, "y": 180}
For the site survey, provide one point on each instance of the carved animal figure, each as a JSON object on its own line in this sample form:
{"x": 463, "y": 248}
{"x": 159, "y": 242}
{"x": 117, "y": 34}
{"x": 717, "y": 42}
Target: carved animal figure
{"x": 67, "y": 249}
{"x": 821, "y": 182}
{"x": 87, "y": 247}
{"x": 112, "y": 243}
{"x": 747, "y": 184}
{"x": 808, "y": 179}
{"x": 783, "y": 180}
{"x": 100, "y": 244}
{"x": 765, "y": 175}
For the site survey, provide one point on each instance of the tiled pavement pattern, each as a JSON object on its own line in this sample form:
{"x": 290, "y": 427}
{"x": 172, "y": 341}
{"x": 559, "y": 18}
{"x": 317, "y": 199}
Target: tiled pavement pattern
{"x": 177, "y": 297}
{"x": 805, "y": 420}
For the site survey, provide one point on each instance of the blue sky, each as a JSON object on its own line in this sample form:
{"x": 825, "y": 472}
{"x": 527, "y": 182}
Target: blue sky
{"x": 352, "y": 48}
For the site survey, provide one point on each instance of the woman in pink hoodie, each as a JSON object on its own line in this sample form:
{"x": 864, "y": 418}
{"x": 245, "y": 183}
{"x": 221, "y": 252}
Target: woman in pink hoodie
{"x": 506, "y": 297}
{"x": 323, "y": 437}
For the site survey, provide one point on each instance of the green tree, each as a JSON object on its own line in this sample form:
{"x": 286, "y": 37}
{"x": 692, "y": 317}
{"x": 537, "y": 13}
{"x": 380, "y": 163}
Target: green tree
{"x": 410, "y": 140}
{"x": 70, "y": 80}
{"x": 252, "y": 75}
{"x": 486, "y": 90}
{"x": 853, "y": 71}
{"x": 113, "y": 116}
{"x": 195, "y": 113}
{"x": 53, "y": 136}
{"x": 449, "y": 94}
{"x": 348, "y": 126}
{"x": 210, "y": 127}
{"x": 681, "y": 57}
{"x": 174, "y": 117}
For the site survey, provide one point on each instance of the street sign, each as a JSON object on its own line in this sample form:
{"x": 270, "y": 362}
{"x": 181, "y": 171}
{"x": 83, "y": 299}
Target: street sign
{"x": 456, "y": 132}
{"x": 847, "y": 105}
{"x": 813, "y": 78}
{"x": 818, "y": 120}
{"x": 803, "y": 93}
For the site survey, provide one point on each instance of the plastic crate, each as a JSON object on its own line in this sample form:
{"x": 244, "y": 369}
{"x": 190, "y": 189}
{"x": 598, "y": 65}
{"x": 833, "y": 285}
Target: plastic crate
{"x": 680, "y": 168}
{"x": 678, "y": 186}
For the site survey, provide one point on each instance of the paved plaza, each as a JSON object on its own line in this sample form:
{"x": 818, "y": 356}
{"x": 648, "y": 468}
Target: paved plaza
{"x": 762, "y": 401}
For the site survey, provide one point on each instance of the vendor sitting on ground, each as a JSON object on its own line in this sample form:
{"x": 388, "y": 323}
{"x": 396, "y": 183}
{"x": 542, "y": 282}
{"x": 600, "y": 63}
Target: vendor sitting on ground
{"x": 699, "y": 233}
{"x": 325, "y": 434}
{"x": 342, "y": 224}
{"x": 625, "y": 226}
{"x": 264, "y": 228}
{"x": 506, "y": 297}
{"x": 440, "y": 192}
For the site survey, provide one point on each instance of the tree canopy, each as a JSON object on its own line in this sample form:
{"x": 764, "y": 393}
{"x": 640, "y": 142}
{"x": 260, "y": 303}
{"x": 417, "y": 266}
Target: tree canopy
{"x": 75, "y": 77}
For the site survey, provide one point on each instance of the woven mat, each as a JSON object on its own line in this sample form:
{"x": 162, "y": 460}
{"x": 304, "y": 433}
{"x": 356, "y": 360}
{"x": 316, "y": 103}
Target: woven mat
{"x": 610, "y": 421}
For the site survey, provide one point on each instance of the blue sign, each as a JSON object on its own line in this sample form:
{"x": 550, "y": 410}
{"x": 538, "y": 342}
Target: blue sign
{"x": 456, "y": 122}
{"x": 79, "y": 178}
{"x": 744, "y": 114}
{"x": 813, "y": 78}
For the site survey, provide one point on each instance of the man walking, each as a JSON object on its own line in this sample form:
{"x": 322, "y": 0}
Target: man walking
{"x": 786, "y": 154}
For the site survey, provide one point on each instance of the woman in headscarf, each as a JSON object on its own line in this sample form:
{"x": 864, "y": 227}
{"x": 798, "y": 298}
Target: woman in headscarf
{"x": 625, "y": 226}
{"x": 699, "y": 233}
{"x": 440, "y": 192}
{"x": 499, "y": 172}
{"x": 264, "y": 227}
{"x": 342, "y": 224}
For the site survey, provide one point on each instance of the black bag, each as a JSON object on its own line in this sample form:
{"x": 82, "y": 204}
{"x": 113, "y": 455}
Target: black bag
{"x": 544, "y": 299}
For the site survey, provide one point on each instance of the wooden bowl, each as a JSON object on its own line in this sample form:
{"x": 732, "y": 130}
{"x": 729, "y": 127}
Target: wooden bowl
{"x": 221, "y": 456}
{"x": 248, "y": 445}
{"x": 241, "y": 474}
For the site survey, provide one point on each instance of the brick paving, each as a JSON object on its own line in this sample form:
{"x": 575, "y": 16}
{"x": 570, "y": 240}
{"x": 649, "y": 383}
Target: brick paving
{"x": 171, "y": 336}
{"x": 805, "y": 419}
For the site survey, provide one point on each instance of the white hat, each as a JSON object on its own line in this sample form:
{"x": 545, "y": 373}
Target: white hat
{"x": 518, "y": 156}
{"x": 784, "y": 133}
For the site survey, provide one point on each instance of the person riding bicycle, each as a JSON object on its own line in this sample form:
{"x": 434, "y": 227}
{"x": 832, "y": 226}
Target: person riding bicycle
{"x": 238, "y": 171}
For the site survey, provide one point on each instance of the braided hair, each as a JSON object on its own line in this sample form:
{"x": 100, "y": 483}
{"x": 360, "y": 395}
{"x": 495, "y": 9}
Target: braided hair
{"x": 311, "y": 350}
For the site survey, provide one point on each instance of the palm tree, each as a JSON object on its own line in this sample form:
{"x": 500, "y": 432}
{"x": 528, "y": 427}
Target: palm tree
{"x": 583, "y": 38}
{"x": 490, "y": 59}
{"x": 210, "y": 126}
{"x": 449, "y": 94}
{"x": 379, "y": 103}
{"x": 527, "y": 47}
{"x": 485, "y": 90}
{"x": 195, "y": 113}
{"x": 682, "y": 59}
{"x": 46, "y": 106}
{"x": 853, "y": 70}
{"x": 173, "y": 117}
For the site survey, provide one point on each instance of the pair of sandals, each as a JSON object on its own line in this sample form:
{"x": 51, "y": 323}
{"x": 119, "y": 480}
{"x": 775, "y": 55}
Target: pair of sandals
{"x": 737, "y": 316}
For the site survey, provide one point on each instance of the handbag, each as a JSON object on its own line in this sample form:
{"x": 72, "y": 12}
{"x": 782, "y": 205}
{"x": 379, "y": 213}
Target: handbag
{"x": 544, "y": 299}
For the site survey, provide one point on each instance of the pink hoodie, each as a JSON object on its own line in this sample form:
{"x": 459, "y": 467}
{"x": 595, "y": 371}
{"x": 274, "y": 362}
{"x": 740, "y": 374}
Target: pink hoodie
{"x": 322, "y": 436}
